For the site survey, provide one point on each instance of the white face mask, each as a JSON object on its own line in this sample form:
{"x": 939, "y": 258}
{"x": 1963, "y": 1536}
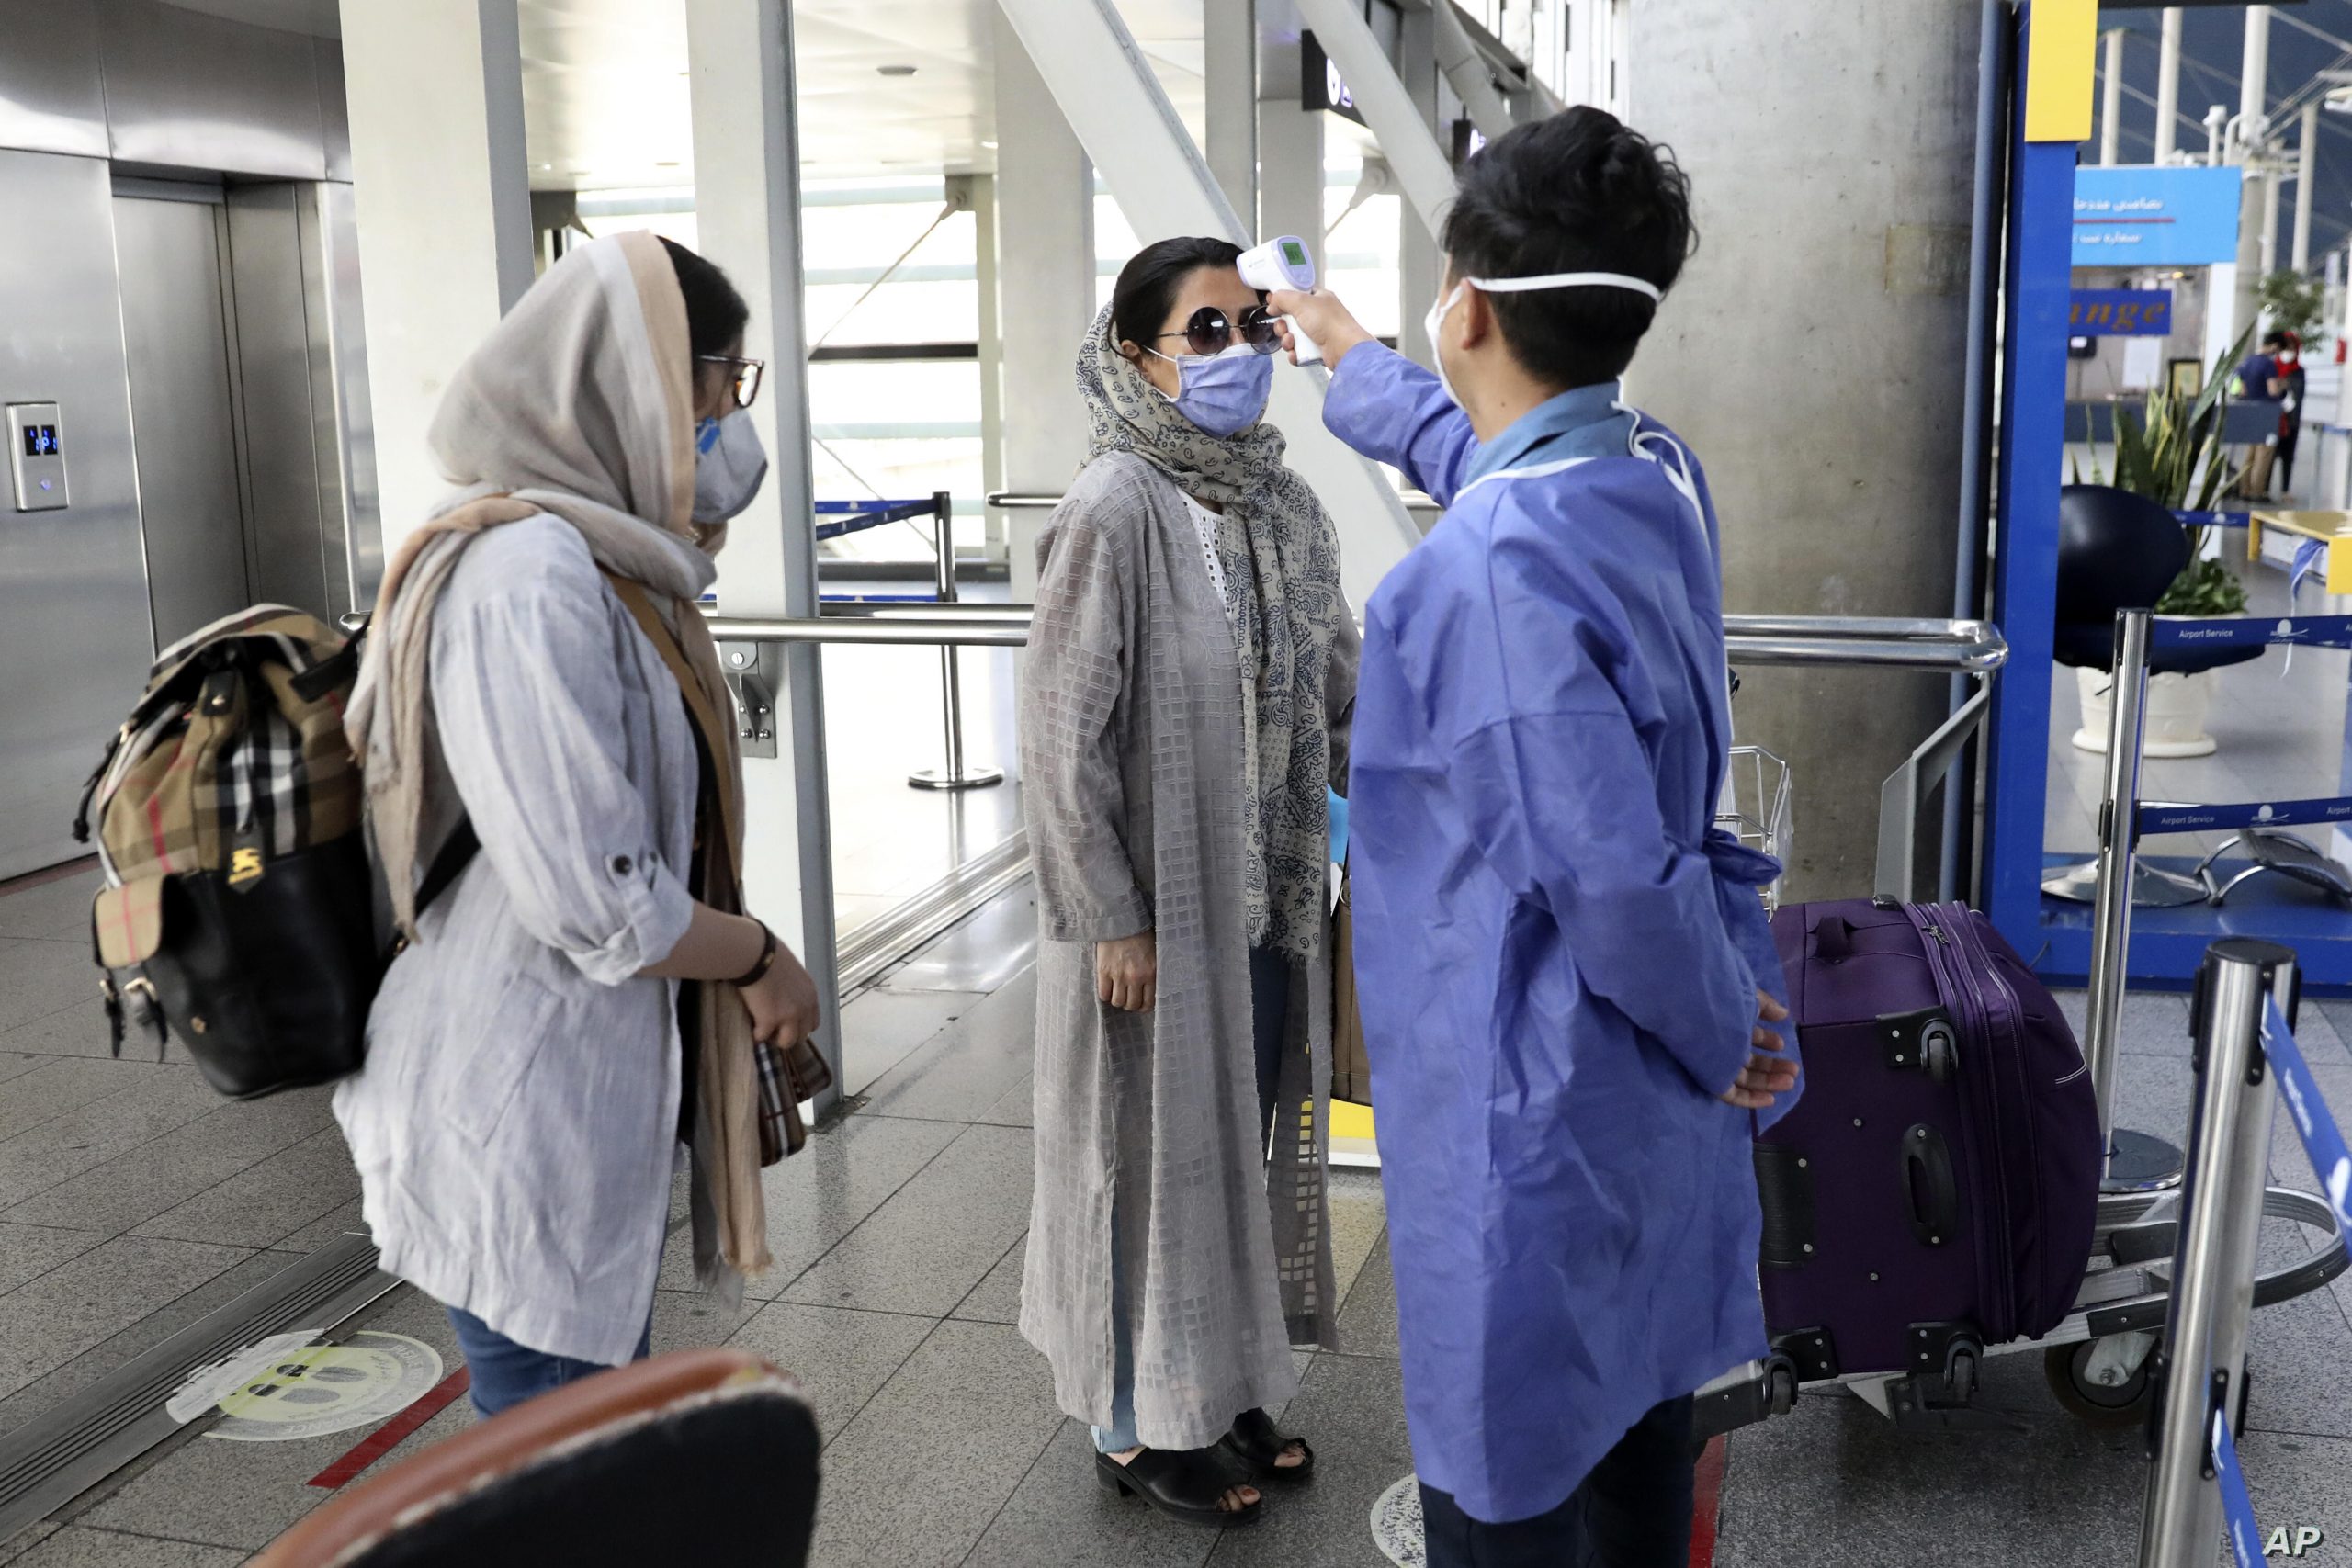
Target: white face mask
{"x": 1442, "y": 308}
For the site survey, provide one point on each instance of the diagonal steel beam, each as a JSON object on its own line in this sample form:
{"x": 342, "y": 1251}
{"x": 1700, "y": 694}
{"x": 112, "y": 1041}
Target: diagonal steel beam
{"x": 1107, "y": 92}
{"x": 1459, "y": 57}
{"x": 1386, "y": 104}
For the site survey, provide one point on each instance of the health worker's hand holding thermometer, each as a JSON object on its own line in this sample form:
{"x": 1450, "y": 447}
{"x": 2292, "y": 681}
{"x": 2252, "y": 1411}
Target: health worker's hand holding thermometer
{"x": 1284, "y": 266}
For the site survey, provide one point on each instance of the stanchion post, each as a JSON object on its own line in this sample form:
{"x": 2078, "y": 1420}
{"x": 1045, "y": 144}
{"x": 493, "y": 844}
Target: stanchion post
{"x": 951, "y": 685}
{"x": 2118, "y": 836}
{"x": 2213, "y": 1262}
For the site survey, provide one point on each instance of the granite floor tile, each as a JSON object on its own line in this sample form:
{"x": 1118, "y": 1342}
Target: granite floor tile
{"x": 1351, "y": 1409}
{"x": 54, "y": 1318}
{"x": 1059, "y": 1513}
{"x": 344, "y": 1219}
{"x": 980, "y": 954}
{"x": 77, "y": 1546}
{"x": 1368, "y": 1313}
{"x": 2290, "y": 1163}
{"x": 997, "y": 1298}
{"x": 685, "y": 1320}
{"x": 14, "y": 1548}
{"x": 938, "y": 1236}
{"x": 1016, "y": 1107}
{"x": 17, "y": 1063}
{"x": 881, "y": 1027}
{"x": 822, "y": 1193}
{"x": 39, "y": 977}
{"x": 2155, "y": 1024}
{"x": 71, "y": 1379}
{"x": 842, "y": 1358}
{"x": 155, "y": 1100}
{"x": 970, "y": 1064}
{"x": 82, "y": 1031}
{"x": 2298, "y": 1483}
{"x": 58, "y": 910}
{"x": 2299, "y": 1362}
{"x": 2152, "y": 1095}
{"x": 148, "y": 1178}
{"x": 915, "y": 1479}
{"x": 56, "y": 1088}
{"x": 27, "y": 1252}
{"x": 2320, "y": 1030}
{"x": 268, "y": 1200}
{"x": 1837, "y": 1484}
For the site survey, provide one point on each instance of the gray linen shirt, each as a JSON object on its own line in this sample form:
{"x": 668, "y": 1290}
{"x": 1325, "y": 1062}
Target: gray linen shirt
{"x": 514, "y": 1126}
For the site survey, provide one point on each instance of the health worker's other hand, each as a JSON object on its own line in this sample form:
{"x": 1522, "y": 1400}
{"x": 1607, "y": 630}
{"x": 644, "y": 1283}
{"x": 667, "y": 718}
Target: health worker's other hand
{"x": 1768, "y": 1073}
{"x": 783, "y": 1002}
{"x": 1126, "y": 971}
{"x": 1321, "y": 317}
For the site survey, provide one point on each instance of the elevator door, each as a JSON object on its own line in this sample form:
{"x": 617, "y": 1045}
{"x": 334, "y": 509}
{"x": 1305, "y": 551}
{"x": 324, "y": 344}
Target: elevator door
{"x": 176, "y": 334}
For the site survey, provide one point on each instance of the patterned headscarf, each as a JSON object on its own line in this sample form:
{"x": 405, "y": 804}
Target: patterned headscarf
{"x": 1275, "y": 541}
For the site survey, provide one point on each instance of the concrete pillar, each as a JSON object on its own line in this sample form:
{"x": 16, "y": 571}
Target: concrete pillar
{"x": 2268, "y": 242}
{"x": 1045, "y": 288}
{"x": 1419, "y": 264}
{"x": 2256, "y": 197}
{"x": 2254, "y": 71}
{"x": 444, "y": 199}
{"x": 2168, "y": 87}
{"x": 2110, "y": 101}
{"x": 2306, "y": 150}
{"x": 1834, "y": 464}
{"x": 1229, "y": 65}
{"x": 1290, "y": 136}
{"x": 746, "y": 203}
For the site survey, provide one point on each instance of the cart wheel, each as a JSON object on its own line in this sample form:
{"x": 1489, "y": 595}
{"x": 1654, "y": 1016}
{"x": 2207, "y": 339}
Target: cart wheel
{"x": 2100, "y": 1404}
{"x": 1783, "y": 1387}
{"x": 1960, "y": 1376}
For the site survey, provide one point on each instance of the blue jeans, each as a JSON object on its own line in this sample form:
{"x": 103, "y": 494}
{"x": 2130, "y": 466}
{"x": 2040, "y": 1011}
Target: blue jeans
{"x": 506, "y": 1374}
{"x": 1269, "y": 1011}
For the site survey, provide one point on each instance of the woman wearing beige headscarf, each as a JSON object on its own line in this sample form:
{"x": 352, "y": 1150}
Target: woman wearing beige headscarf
{"x": 586, "y": 993}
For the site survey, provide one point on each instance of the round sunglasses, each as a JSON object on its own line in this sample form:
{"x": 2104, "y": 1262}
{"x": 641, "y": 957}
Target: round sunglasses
{"x": 1210, "y": 331}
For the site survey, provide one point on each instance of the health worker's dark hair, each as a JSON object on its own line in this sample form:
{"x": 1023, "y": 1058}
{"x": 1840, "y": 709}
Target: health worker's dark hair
{"x": 1148, "y": 283}
{"x": 716, "y": 314}
{"x": 1579, "y": 192}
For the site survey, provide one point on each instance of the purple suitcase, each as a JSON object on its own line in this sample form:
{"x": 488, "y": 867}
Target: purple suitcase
{"x": 1935, "y": 1189}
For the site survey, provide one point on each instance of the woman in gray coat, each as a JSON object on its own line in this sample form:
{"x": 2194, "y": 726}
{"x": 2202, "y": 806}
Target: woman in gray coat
{"x": 1184, "y": 708}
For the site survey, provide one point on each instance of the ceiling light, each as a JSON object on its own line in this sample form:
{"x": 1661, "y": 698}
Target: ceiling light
{"x": 896, "y": 70}
{"x": 547, "y": 168}
{"x": 989, "y": 145}
{"x": 667, "y": 163}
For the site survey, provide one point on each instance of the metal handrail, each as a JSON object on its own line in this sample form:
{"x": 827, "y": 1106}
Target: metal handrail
{"x": 1969, "y": 648}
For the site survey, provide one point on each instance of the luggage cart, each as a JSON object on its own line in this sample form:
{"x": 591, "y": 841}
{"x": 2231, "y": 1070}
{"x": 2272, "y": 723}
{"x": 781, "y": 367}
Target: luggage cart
{"x": 2099, "y": 1360}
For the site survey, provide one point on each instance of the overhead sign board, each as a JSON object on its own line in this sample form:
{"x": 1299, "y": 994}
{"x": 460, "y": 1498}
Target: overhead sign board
{"x": 2119, "y": 313}
{"x": 1319, "y": 84}
{"x": 2144, "y": 215}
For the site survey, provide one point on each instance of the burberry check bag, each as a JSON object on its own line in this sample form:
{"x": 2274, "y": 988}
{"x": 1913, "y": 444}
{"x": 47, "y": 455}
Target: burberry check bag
{"x": 238, "y": 908}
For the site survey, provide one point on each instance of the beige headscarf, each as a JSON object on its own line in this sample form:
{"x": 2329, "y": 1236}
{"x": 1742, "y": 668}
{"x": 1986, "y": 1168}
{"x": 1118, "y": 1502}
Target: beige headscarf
{"x": 580, "y": 404}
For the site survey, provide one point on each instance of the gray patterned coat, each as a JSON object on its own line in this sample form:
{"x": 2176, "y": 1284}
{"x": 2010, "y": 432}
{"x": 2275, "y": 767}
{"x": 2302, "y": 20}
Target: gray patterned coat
{"x": 1132, "y": 760}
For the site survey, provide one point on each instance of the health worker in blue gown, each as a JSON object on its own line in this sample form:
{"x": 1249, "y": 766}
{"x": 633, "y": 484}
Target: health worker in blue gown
{"x": 1566, "y": 973}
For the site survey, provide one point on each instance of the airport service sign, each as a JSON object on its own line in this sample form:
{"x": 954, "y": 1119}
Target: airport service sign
{"x": 2145, "y": 216}
{"x": 2119, "y": 313}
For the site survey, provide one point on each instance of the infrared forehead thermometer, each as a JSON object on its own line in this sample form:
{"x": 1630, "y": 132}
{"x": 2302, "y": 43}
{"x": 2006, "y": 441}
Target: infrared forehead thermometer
{"x": 1282, "y": 263}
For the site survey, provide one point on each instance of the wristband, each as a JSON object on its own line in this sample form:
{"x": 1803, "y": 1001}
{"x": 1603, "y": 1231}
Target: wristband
{"x": 759, "y": 971}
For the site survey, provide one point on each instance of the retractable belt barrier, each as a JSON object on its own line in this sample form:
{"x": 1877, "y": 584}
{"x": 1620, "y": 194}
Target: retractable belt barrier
{"x": 2250, "y": 631}
{"x": 857, "y": 516}
{"x": 2159, "y": 816}
{"x": 2246, "y": 994}
{"x": 2195, "y": 519}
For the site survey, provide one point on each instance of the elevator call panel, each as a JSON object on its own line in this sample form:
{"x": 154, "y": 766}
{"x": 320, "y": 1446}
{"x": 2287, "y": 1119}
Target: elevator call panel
{"x": 37, "y": 457}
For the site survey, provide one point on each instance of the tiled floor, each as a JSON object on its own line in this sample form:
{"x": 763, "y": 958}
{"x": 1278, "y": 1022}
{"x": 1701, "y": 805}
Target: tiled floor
{"x": 899, "y": 1240}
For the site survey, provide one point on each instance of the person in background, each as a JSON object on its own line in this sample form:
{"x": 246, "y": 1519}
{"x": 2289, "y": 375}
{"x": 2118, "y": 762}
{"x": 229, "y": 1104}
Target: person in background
{"x": 1184, "y": 712}
{"x": 1565, "y": 973}
{"x": 2260, "y": 379}
{"x": 587, "y": 992}
{"x": 2287, "y": 362}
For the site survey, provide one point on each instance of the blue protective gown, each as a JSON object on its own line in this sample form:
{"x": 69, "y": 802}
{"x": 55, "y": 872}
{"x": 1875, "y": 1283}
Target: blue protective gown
{"x": 1557, "y": 957}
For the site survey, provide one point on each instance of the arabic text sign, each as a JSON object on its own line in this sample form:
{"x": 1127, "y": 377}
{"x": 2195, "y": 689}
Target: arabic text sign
{"x": 2145, "y": 216}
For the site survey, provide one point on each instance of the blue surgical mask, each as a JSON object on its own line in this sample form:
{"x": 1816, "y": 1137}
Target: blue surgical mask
{"x": 729, "y": 464}
{"x": 1223, "y": 393}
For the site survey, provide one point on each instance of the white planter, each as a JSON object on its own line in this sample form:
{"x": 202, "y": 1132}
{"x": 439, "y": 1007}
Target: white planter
{"x": 2173, "y": 724}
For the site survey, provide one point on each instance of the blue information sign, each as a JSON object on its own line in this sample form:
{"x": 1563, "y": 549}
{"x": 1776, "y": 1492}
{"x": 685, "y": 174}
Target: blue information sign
{"x": 2141, "y": 215}
{"x": 2119, "y": 313}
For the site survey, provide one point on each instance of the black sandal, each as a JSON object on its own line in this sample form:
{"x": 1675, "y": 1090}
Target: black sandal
{"x": 1184, "y": 1484}
{"x": 1256, "y": 1445}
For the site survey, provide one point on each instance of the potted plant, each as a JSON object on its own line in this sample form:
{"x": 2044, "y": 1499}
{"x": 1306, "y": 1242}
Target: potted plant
{"x": 2171, "y": 452}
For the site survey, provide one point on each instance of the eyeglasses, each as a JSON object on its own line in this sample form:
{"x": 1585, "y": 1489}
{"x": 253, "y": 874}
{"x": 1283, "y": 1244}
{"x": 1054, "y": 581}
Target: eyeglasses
{"x": 1212, "y": 332}
{"x": 747, "y": 375}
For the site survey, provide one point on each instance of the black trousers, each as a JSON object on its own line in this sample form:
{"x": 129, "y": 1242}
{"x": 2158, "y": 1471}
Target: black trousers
{"x": 2283, "y": 469}
{"x": 1633, "y": 1511}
